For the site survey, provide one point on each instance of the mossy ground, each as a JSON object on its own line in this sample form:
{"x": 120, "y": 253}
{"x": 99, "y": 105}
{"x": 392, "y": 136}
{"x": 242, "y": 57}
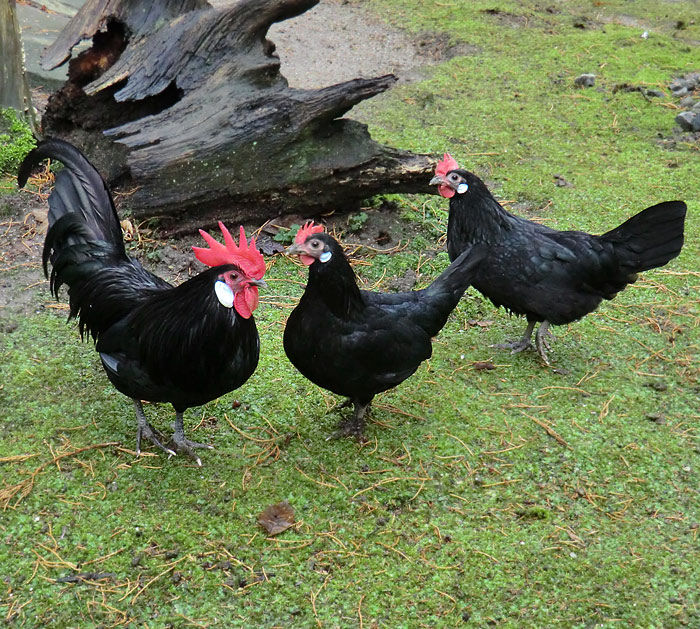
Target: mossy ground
{"x": 514, "y": 496}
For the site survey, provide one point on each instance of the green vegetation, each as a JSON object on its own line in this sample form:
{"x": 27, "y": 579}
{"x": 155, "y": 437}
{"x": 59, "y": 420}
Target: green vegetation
{"x": 16, "y": 140}
{"x": 514, "y": 496}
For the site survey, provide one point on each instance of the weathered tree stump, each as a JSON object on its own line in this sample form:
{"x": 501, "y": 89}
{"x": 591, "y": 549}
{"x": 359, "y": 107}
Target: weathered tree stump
{"x": 185, "y": 104}
{"x": 14, "y": 88}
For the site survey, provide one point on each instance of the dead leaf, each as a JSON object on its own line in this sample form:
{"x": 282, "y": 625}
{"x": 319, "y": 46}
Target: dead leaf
{"x": 480, "y": 324}
{"x": 277, "y": 518}
{"x": 484, "y": 365}
{"x": 268, "y": 246}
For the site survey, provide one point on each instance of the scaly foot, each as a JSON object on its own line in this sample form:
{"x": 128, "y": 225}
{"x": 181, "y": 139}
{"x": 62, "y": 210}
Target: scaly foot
{"x": 542, "y": 342}
{"x": 353, "y": 427}
{"x": 145, "y": 429}
{"x": 522, "y": 343}
{"x": 185, "y": 446}
{"x": 515, "y": 347}
{"x": 182, "y": 443}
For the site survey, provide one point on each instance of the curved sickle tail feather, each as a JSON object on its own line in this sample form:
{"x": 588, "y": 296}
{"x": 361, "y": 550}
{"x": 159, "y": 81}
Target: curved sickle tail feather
{"x": 84, "y": 241}
{"x": 80, "y": 192}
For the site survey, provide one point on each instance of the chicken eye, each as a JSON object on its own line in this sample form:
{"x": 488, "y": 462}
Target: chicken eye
{"x": 454, "y": 177}
{"x": 315, "y": 244}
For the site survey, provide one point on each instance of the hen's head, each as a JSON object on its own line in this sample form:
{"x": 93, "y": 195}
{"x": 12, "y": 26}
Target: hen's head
{"x": 311, "y": 244}
{"x": 450, "y": 179}
{"x": 242, "y": 270}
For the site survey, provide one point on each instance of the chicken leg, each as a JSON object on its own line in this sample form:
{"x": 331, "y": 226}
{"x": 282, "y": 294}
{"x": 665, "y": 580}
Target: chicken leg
{"x": 146, "y": 430}
{"x": 541, "y": 342}
{"x": 182, "y": 444}
{"x": 523, "y": 343}
{"x": 355, "y": 426}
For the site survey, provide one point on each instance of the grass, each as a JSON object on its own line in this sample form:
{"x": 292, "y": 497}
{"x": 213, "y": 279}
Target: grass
{"x": 515, "y": 496}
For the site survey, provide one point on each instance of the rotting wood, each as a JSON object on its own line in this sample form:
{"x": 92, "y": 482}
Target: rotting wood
{"x": 185, "y": 106}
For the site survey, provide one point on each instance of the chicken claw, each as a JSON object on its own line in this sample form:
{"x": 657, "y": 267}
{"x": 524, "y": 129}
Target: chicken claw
{"x": 146, "y": 430}
{"x": 184, "y": 445}
{"x": 353, "y": 427}
{"x": 541, "y": 341}
{"x": 521, "y": 344}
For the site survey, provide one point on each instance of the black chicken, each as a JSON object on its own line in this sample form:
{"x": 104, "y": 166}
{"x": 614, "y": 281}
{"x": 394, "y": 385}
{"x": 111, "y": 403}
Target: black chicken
{"x": 358, "y": 343}
{"x": 551, "y": 276}
{"x": 185, "y": 345}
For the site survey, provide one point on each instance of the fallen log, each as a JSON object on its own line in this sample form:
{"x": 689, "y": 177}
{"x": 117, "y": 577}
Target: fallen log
{"x": 185, "y": 107}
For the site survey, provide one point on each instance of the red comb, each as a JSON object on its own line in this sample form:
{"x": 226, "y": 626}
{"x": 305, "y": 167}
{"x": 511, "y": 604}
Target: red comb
{"x": 244, "y": 255}
{"x": 306, "y": 230}
{"x": 447, "y": 164}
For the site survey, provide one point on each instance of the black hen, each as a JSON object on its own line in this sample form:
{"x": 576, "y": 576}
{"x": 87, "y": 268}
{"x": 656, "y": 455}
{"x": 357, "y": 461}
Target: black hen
{"x": 358, "y": 343}
{"x": 551, "y": 276}
{"x": 185, "y": 345}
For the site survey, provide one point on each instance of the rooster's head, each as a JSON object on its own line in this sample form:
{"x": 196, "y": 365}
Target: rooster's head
{"x": 242, "y": 270}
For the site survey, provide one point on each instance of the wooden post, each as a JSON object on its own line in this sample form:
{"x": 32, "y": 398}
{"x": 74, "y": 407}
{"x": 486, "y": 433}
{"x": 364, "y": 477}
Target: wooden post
{"x": 14, "y": 89}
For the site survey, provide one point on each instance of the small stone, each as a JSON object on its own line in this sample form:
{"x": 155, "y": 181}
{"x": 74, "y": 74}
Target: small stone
{"x": 655, "y": 94}
{"x": 692, "y": 79}
{"x": 687, "y": 102}
{"x": 657, "y": 418}
{"x": 683, "y": 91}
{"x": 685, "y": 120}
{"x": 585, "y": 80}
{"x": 696, "y": 108}
{"x": 678, "y": 84}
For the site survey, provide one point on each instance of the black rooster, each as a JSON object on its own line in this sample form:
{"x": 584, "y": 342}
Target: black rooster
{"x": 551, "y": 276}
{"x": 358, "y": 343}
{"x": 185, "y": 345}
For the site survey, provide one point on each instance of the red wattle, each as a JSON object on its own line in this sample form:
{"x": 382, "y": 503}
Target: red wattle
{"x": 307, "y": 260}
{"x": 446, "y": 191}
{"x": 246, "y": 301}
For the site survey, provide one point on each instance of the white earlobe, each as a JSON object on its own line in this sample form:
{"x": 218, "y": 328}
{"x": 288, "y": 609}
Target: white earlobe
{"x": 462, "y": 188}
{"x": 325, "y": 256}
{"x": 224, "y": 294}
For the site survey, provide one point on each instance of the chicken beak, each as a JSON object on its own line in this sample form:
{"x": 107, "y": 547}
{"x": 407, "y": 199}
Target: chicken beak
{"x": 437, "y": 180}
{"x": 295, "y": 250}
{"x": 258, "y": 283}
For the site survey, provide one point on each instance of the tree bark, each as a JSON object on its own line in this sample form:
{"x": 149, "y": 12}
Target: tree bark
{"x": 14, "y": 89}
{"x": 186, "y": 105}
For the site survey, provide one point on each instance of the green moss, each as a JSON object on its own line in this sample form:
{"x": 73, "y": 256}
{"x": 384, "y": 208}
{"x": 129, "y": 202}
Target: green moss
{"x": 16, "y": 140}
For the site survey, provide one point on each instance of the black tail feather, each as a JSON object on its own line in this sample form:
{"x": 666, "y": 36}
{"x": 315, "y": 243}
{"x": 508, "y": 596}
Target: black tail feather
{"x": 444, "y": 293}
{"x": 457, "y": 277}
{"x": 649, "y": 239}
{"x": 79, "y": 190}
